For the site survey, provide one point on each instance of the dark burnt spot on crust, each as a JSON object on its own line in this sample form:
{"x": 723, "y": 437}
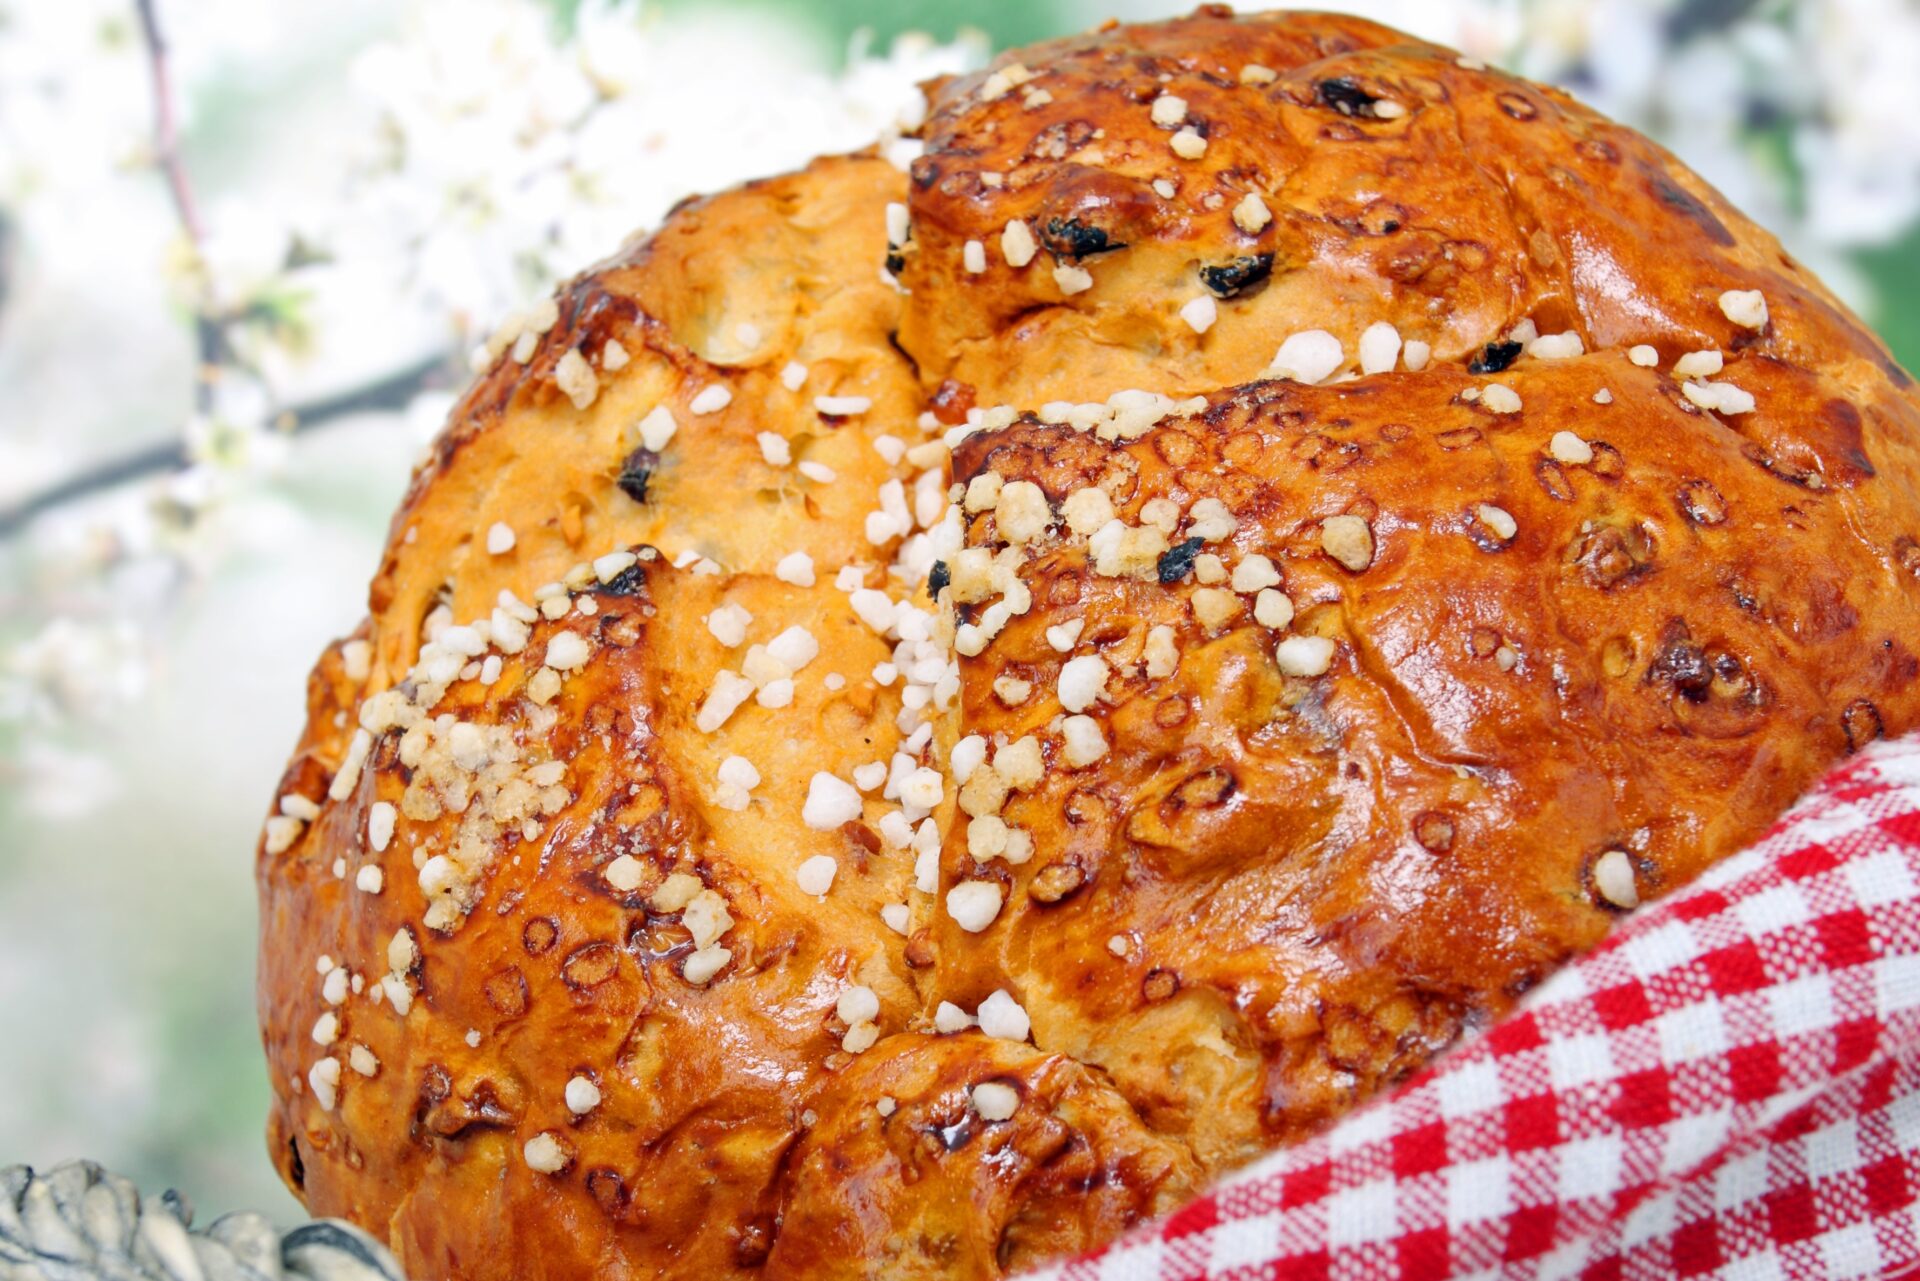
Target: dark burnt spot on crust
{"x": 1711, "y": 693}
{"x": 435, "y": 1087}
{"x": 1237, "y": 276}
{"x": 1680, "y": 663}
{"x": 1072, "y": 238}
{"x": 1345, "y": 96}
{"x": 1494, "y": 357}
{"x": 631, "y": 581}
{"x": 1177, "y": 561}
{"x": 636, "y": 470}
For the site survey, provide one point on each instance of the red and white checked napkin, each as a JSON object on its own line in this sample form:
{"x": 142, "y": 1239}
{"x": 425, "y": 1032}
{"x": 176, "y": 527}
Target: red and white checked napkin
{"x": 1728, "y": 1086}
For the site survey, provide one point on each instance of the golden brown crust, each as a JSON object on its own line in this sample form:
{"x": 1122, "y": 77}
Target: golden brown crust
{"x": 930, "y": 1188}
{"x": 1277, "y": 733}
{"x": 1490, "y": 199}
{"x": 1666, "y": 651}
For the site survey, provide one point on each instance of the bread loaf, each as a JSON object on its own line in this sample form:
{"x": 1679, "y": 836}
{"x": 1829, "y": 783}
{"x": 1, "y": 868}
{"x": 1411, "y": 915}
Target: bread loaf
{"x": 909, "y": 719}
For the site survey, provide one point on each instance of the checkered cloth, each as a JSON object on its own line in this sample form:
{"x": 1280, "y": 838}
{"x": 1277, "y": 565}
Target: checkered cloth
{"x": 1728, "y": 1086}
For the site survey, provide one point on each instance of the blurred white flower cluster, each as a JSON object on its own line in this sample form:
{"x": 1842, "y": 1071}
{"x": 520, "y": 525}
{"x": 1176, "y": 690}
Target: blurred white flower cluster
{"x": 506, "y": 156}
{"x": 1805, "y": 113}
{"x": 483, "y": 151}
{"x": 510, "y": 160}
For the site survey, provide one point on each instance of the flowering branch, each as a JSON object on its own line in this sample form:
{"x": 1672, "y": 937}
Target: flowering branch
{"x": 210, "y": 328}
{"x": 166, "y": 137}
{"x": 392, "y": 392}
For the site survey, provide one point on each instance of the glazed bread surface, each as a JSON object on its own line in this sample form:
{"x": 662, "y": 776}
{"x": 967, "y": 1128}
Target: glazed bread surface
{"x": 912, "y": 718}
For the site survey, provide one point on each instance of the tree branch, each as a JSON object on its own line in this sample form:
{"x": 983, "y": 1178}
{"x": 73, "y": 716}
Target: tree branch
{"x": 391, "y": 392}
{"x": 209, "y": 328}
{"x": 166, "y": 137}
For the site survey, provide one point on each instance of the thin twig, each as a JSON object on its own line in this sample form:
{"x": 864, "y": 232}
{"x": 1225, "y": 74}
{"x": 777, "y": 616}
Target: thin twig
{"x": 211, "y": 347}
{"x": 166, "y": 136}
